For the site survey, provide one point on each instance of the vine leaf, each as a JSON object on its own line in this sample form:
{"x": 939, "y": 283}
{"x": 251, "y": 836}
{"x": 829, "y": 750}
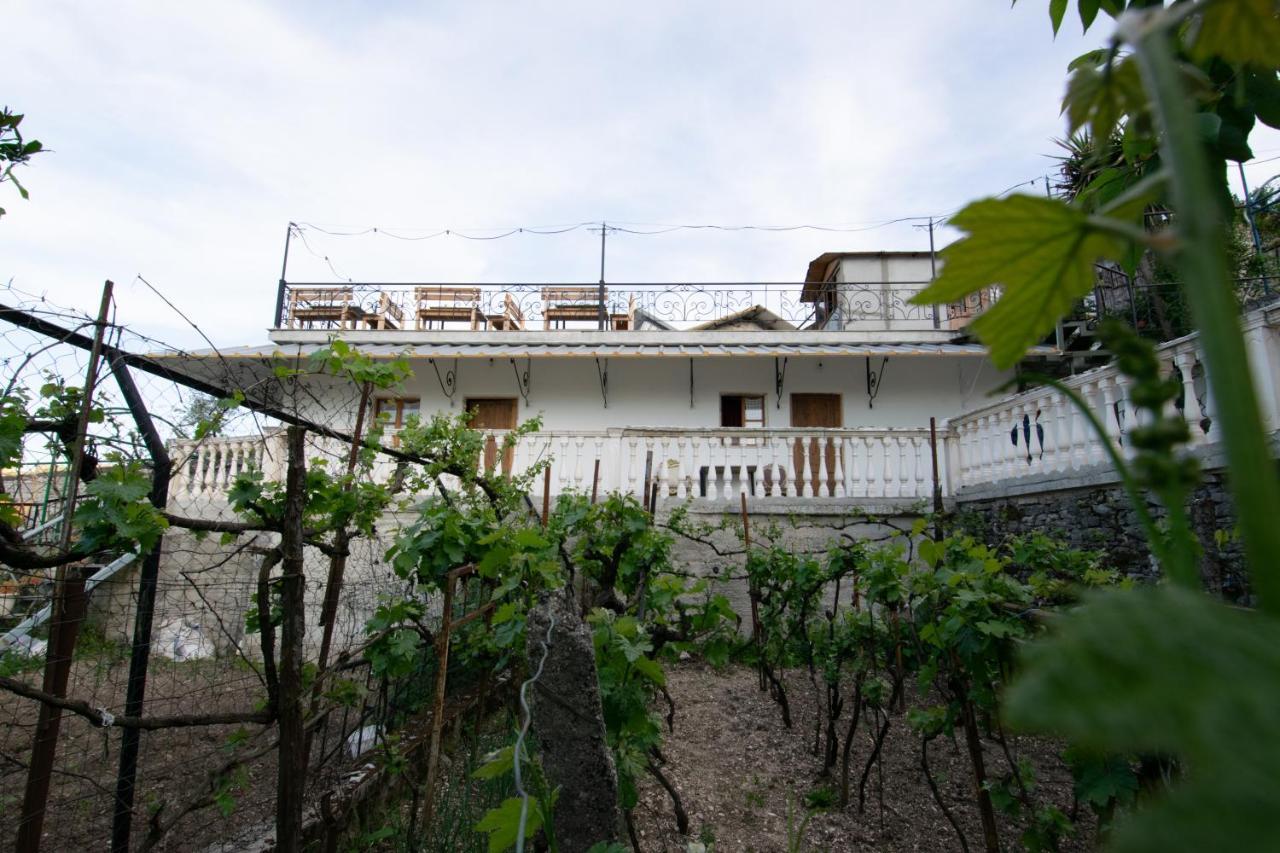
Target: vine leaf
{"x": 1114, "y": 677}
{"x": 1241, "y": 31}
{"x": 503, "y": 823}
{"x": 1040, "y": 251}
{"x": 1101, "y": 96}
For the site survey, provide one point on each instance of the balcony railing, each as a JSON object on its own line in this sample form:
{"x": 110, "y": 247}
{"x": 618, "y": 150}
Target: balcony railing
{"x": 625, "y": 306}
{"x": 714, "y": 464}
{"x": 1040, "y": 433}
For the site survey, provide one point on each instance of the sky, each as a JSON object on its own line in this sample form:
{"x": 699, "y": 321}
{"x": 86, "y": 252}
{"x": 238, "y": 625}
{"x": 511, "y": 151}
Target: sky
{"x": 184, "y": 137}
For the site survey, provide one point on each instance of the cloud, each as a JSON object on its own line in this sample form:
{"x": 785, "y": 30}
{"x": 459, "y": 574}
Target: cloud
{"x": 186, "y": 136}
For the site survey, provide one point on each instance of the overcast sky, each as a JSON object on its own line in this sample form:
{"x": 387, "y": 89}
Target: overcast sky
{"x": 186, "y": 135}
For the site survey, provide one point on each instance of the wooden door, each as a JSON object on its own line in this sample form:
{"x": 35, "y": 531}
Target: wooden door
{"x": 493, "y": 413}
{"x": 816, "y": 411}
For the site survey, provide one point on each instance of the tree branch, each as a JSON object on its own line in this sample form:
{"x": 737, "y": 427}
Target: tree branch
{"x": 101, "y": 718}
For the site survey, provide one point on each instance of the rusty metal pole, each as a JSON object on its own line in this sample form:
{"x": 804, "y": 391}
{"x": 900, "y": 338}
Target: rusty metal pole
{"x": 752, "y": 592}
{"x": 68, "y": 611}
{"x": 546, "y": 495}
{"x": 135, "y": 693}
{"x": 937, "y": 480}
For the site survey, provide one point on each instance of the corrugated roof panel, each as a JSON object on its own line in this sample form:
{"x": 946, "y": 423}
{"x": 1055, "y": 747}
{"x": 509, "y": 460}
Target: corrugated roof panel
{"x": 601, "y": 350}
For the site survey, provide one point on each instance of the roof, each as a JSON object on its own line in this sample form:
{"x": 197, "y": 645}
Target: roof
{"x": 818, "y": 266}
{"x": 756, "y": 315}
{"x": 619, "y": 348}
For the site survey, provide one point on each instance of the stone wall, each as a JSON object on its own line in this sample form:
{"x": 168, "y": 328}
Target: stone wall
{"x": 1099, "y": 516}
{"x": 711, "y": 543}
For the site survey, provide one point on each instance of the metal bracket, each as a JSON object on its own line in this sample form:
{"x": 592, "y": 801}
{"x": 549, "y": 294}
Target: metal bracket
{"x": 522, "y": 379}
{"x": 449, "y": 381}
{"x": 603, "y": 373}
{"x": 874, "y": 380}
{"x": 779, "y": 377}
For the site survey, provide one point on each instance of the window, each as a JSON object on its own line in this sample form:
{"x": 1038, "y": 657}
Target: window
{"x": 742, "y": 410}
{"x": 397, "y": 411}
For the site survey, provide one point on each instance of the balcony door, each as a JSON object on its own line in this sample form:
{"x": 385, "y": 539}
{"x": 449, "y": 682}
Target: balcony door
{"x": 815, "y": 411}
{"x": 493, "y": 413}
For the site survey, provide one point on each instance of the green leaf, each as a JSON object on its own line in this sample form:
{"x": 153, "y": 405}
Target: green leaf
{"x": 1114, "y": 8}
{"x": 1040, "y": 251}
{"x": 1057, "y": 8}
{"x": 1263, "y": 89}
{"x": 1088, "y": 11}
{"x": 496, "y": 764}
{"x": 503, "y": 823}
{"x": 1239, "y": 32}
{"x": 1169, "y": 671}
{"x": 1100, "y": 97}
{"x": 651, "y": 670}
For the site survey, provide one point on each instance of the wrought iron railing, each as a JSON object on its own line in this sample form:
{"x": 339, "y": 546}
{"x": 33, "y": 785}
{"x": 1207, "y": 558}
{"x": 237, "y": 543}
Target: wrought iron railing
{"x": 836, "y": 306}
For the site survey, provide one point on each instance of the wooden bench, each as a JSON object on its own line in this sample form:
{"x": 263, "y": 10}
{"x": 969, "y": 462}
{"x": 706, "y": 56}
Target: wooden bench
{"x": 446, "y": 304}
{"x": 561, "y": 305}
{"x": 324, "y": 305}
{"x": 512, "y": 318}
{"x": 389, "y": 314}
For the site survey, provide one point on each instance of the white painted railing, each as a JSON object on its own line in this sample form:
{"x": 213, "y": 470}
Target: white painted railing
{"x": 717, "y": 464}
{"x": 724, "y": 463}
{"x": 1040, "y": 432}
{"x": 206, "y": 468}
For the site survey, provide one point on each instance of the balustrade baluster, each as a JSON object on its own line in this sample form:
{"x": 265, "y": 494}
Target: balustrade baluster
{"x": 920, "y": 462}
{"x": 1191, "y": 411}
{"x": 806, "y": 466}
{"x": 841, "y": 461}
{"x": 778, "y": 466}
{"x": 632, "y": 481}
{"x": 871, "y": 443}
{"x": 605, "y": 465}
{"x": 888, "y": 480}
{"x": 563, "y": 477}
{"x": 903, "y": 459}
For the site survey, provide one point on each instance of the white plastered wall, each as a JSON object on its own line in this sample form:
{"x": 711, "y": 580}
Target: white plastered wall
{"x": 654, "y": 392}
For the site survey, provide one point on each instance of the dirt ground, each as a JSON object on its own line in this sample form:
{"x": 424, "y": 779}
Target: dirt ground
{"x": 174, "y": 764}
{"x": 743, "y": 778}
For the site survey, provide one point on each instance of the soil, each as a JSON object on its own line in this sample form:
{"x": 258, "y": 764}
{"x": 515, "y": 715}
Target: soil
{"x": 174, "y": 764}
{"x": 744, "y": 777}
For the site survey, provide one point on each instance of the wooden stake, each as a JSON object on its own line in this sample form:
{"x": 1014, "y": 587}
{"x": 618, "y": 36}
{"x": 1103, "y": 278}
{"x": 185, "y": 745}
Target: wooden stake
{"x": 595, "y": 481}
{"x": 442, "y": 676}
{"x": 546, "y": 496}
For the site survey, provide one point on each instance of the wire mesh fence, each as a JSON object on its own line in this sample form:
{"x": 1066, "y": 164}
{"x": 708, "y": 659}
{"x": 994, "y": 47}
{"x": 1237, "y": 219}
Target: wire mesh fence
{"x": 139, "y": 701}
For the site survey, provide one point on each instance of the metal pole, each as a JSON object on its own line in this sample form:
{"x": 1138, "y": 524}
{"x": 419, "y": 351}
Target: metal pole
{"x": 284, "y": 267}
{"x": 933, "y": 273}
{"x": 937, "y": 479}
{"x": 122, "y": 822}
{"x": 68, "y": 611}
{"x": 1253, "y": 227}
{"x": 604, "y": 229}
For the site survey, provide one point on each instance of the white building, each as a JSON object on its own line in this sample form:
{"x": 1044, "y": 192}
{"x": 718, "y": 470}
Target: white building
{"x": 732, "y": 387}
